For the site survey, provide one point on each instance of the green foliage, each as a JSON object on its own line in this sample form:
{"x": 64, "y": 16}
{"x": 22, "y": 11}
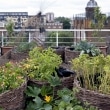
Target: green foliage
{"x": 41, "y": 64}
{"x": 98, "y": 24}
{"x": 87, "y": 48}
{"x": 65, "y": 21}
{"x": 1, "y": 108}
{"x": 25, "y": 47}
{"x": 93, "y": 73}
{"x": 65, "y": 39}
{"x": 10, "y": 28}
{"x": 64, "y": 100}
{"x": 10, "y": 77}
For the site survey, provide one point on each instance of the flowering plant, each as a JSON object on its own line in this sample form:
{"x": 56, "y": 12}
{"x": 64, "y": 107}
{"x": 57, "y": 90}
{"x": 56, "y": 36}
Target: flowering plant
{"x": 41, "y": 64}
{"x": 10, "y": 77}
{"x": 43, "y": 98}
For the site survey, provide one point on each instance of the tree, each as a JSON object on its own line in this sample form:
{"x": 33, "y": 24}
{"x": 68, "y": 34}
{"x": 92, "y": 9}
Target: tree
{"x": 65, "y": 39}
{"x": 99, "y": 21}
{"x": 10, "y": 28}
{"x": 65, "y": 21}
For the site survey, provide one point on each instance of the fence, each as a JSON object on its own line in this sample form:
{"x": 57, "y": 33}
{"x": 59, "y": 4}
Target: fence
{"x": 57, "y": 37}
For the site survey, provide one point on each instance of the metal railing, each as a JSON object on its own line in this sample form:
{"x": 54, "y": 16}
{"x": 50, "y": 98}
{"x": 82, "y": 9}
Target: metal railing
{"x": 72, "y": 36}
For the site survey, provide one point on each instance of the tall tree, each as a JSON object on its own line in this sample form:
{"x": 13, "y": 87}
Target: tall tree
{"x": 65, "y": 21}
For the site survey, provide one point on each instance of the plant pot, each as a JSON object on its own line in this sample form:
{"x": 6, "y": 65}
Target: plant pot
{"x": 19, "y": 56}
{"x": 70, "y": 54}
{"x": 60, "y": 51}
{"x": 5, "y": 49}
{"x": 103, "y": 49}
{"x": 13, "y": 99}
{"x": 66, "y": 82}
{"x": 99, "y": 100}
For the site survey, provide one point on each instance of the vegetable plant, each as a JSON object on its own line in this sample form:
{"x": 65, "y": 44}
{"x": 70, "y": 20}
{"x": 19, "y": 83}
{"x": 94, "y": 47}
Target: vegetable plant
{"x": 87, "y": 48}
{"x": 42, "y": 98}
{"x": 10, "y": 77}
{"x": 93, "y": 72}
{"x": 41, "y": 63}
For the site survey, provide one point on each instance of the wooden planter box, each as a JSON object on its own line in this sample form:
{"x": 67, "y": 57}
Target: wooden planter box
{"x": 70, "y": 54}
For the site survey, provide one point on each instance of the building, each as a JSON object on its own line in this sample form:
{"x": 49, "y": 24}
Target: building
{"x": 19, "y": 18}
{"x": 83, "y": 21}
{"x": 50, "y": 17}
{"x": 45, "y": 21}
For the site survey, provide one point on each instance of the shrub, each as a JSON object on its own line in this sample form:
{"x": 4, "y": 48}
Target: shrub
{"x": 41, "y": 64}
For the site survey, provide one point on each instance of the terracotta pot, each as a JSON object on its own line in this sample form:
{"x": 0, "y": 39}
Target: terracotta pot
{"x": 5, "y": 49}
{"x": 103, "y": 49}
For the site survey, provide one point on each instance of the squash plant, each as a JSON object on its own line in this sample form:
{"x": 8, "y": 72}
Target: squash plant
{"x": 42, "y": 98}
{"x": 41, "y": 63}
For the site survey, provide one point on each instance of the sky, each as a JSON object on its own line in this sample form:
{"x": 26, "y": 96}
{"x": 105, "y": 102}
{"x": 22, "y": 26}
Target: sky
{"x": 66, "y": 8}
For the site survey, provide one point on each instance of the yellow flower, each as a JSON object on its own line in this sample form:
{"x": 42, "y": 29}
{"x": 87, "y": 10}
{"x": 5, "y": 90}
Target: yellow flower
{"x": 27, "y": 66}
{"x": 47, "y": 98}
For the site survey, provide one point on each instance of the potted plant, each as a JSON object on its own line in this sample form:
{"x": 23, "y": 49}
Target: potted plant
{"x": 12, "y": 87}
{"x": 43, "y": 64}
{"x": 21, "y": 51}
{"x": 43, "y": 98}
{"x": 83, "y": 47}
{"x": 92, "y": 79}
{"x": 10, "y": 29}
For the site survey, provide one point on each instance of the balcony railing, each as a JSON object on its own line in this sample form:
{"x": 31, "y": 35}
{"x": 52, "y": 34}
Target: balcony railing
{"x": 56, "y": 37}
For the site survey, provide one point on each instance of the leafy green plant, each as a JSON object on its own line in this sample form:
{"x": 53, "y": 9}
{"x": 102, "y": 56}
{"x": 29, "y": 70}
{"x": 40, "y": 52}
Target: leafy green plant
{"x": 44, "y": 99}
{"x": 10, "y": 28}
{"x": 25, "y": 47}
{"x": 87, "y": 48}
{"x": 1, "y": 108}
{"x": 93, "y": 72}
{"x": 41, "y": 64}
{"x": 10, "y": 77}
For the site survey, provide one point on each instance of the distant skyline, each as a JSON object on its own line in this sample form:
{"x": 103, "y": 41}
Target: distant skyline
{"x": 65, "y": 8}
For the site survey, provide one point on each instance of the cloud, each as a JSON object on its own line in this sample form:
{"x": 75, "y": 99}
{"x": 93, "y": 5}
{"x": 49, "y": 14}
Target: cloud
{"x": 59, "y": 7}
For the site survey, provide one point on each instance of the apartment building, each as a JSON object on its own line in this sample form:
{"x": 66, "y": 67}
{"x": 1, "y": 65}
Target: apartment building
{"x": 19, "y": 18}
{"x": 44, "y": 21}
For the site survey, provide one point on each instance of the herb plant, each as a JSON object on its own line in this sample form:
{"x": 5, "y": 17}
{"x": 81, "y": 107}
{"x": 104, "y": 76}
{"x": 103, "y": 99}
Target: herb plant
{"x": 41, "y": 64}
{"x": 93, "y": 72}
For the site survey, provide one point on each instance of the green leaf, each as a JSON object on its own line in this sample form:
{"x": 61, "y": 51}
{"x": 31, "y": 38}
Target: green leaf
{"x": 47, "y": 107}
{"x": 66, "y": 98}
{"x": 32, "y": 91}
{"x": 78, "y": 107}
{"x": 31, "y": 106}
{"x": 45, "y": 90}
{"x": 38, "y": 102}
{"x": 54, "y": 81}
{"x": 62, "y": 104}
